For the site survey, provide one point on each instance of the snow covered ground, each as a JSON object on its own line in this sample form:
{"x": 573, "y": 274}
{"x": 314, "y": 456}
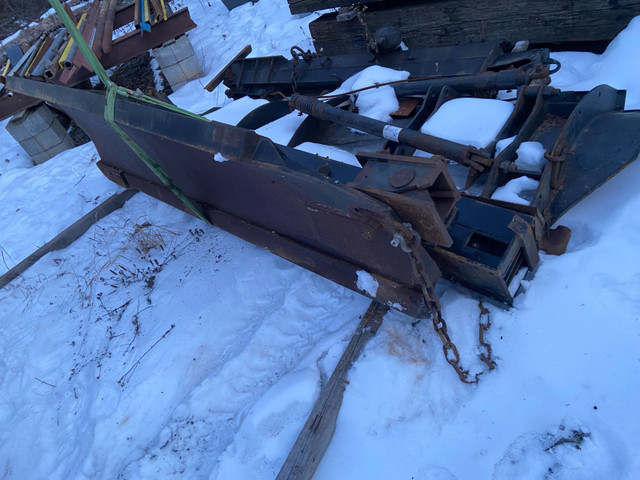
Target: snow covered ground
{"x": 158, "y": 347}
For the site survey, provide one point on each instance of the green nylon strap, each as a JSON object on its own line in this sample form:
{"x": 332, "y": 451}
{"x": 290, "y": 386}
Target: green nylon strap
{"x": 109, "y": 113}
{"x": 109, "y": 109}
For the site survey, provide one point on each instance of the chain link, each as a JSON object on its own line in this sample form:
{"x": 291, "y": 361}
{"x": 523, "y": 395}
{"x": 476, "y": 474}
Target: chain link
{"x": 486, "y": 357}
{"x": 414, "y": 248}
{"x": 371, "y": 43}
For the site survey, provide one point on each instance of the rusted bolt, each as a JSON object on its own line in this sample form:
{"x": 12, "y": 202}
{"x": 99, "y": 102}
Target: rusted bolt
{"x": 402, "y": 177}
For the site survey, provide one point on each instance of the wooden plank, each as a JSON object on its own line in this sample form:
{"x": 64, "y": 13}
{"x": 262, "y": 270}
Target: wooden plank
{"x": 429, "y": 23}
{"x": 305, "y": 6}
{"x": 215, "y": 81}
{"x": 315, "y": 437}
{"x": 69, "y": 235}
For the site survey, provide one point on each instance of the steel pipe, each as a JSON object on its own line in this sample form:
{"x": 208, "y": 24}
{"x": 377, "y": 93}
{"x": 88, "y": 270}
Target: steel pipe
{"x": 485, "y": 81}
{"x": 464, "y": 154}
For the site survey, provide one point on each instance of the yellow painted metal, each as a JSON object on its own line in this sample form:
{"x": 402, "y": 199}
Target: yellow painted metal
{"x": 65, "y": 52}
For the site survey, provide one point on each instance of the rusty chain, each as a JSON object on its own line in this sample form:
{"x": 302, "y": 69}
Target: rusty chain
{"x": 410, "y": 242}
{"x": 413, "y": 247}
{"x": 486, "y": 356}
{"x": 371, "y": 43}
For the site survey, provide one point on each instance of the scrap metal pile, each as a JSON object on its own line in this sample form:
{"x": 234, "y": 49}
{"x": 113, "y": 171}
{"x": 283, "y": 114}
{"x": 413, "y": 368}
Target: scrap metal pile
{"x": 54, "y": 56}
{"x": 399, "y": 219}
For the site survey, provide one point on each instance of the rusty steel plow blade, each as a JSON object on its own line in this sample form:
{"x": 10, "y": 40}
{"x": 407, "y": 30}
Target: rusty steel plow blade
{"x": 302, "y": 207}
{"x": 388, "y": 230}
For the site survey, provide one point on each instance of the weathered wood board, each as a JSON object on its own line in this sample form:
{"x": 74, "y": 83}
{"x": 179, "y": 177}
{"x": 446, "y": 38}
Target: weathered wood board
{"x": 68, "y": 235}
{"x": 431, "y": 23}
{"x": 315, "y": 437}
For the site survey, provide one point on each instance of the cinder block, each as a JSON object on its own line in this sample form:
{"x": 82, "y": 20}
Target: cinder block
{"x": 164, "y": 55}
{"x": 17, "y": 129}
{"x": 182, "y": 48}
{"x": 42, "y": 157}
{"x": 174, "y": 75}
{"x": 38, "y": 119}
{"x": 65, "y": 144}
{"x": 40, "y": 133}
{"x": 52, "y": 136}
{"x": 31, "y": 146}
{"x": 30, "y": 122}
{"x": 178, "y": 62}
{"x": 191, "y": 68}
{"x": 178, "y": 85}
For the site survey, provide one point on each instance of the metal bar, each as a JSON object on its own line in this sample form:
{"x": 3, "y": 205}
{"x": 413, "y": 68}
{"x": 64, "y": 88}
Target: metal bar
{"x": 107, "y": 38}
{"x": 132, "y": 44}
{"x": 124, "y": 15}
{"x": 77, "y": 60}
{"x": 10, "y": 105}
{"x": 73, "y": 48}
{"x": 96, "y": 46}
{"x": 72, "y": 16}
{"x": 464, "y": 154}
{"x": 37, "y": 60}
{"x": 264, "y": 76}
{"x": 124, "y": 48}
{"x": 50, "y": 54}
{"x": 485, "y": 81}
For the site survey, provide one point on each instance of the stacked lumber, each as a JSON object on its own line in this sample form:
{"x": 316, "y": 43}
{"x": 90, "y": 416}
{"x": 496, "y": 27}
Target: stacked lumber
{"x": 585, "y": 25}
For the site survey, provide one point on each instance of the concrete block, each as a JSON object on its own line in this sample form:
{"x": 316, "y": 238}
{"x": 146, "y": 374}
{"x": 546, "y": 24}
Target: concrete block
{"x": 31, "y": 146}
{"x": 183, "y": 72}
{"x": 17, "y": 130}
{"x": 182, "y": 48}
{"x": 30, "y": 122}
{"x": 164, "y": 55}
{"x": 40, "y": 133}
{"x": 65, "y": 144}
{"x": 178, "y": 62}
{"x": 174, "y": 75}
{"x": 42, "y": 157}
{"x": 178, "y": 85}
{"x": 191, "y": 68}
{"x": 52, "y": 136}
{"x": 39, "y": 119}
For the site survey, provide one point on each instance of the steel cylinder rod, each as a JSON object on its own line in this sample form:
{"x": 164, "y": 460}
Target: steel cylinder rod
{"x": 485, "y": 81}
{"x": 464, "y": 154}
